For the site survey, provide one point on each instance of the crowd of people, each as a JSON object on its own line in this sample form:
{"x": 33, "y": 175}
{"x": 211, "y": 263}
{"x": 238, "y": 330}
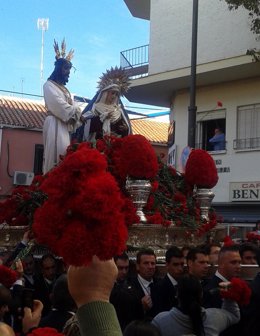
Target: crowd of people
{"x": 130, "y": 297}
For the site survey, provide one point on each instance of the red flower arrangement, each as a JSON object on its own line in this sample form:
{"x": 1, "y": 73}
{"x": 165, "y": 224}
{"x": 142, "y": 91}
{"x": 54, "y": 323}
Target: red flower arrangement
{"x": 18, "y": 208}
{"x": 86, "y": 209}
{"x": 81, "y": 207}
{"x": 238, "y": 291}
{"x": 201, "y": 169}
{"x": 7, "y": 276}
{"x": 172, "y": 201}
{"x": 45, "y": 332}
{"x": 137, "y": 158}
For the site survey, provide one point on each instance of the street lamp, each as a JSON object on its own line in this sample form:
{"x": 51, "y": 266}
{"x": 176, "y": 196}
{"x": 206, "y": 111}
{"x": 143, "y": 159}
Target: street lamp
{"x": 42, "y": 25}
{"x": 192, "y": 109}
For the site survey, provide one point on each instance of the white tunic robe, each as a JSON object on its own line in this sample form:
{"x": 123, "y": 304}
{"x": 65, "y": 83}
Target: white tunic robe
{"x": 63, "y": 118}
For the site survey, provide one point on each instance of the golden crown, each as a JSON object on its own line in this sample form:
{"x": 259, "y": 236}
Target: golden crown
{"x": 62, "y": 53}
{"x": 117, "y": 76}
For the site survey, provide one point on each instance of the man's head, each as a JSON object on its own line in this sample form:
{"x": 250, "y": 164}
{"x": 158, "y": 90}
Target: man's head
{"x": 61, "y": 71}
{"x": 218, "y": 130}
{"x": 122, "y": 263}
{"x": 229, "y": 261}
{"x": 174, "y": 262}
{"x": 28, "y": 265}
{"x": 5, "y": 300}
{"x": 198, "y": 262}
{"x": 48, "y": 267}
{"x": 248, "y": 254}
{"x": 213, "y": 250}
{"x": 146, "y": 263}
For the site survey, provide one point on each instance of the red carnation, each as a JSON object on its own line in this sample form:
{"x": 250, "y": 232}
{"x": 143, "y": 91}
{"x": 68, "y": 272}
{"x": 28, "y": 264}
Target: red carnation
{"x": 228, "y": 241}
{"x": 86, "y": 207}
{"x": 137, "y": 158}
{"x": 238, "y": 291}
{"x": 45, "y": 332}
{"x": 7, "y": 276}
{"x": 201, "y": 169}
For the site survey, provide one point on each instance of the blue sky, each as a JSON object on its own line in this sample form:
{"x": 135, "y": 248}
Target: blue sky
{"x": 98, "y": 30}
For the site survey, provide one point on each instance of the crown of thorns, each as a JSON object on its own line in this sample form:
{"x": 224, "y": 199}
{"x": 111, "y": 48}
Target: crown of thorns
{"x": 62, "y": 53}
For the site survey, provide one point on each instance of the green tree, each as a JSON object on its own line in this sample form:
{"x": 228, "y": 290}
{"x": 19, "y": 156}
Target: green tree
{"x": 253, "y": 7}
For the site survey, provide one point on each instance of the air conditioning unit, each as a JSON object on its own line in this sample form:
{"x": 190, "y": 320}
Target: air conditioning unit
{"x": 23, "y": 178}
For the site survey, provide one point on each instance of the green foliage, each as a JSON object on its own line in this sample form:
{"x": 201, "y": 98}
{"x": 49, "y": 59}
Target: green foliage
{"x": 253, "y": 8}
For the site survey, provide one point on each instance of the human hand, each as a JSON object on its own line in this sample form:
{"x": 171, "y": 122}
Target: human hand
{"x": 19, "y": 268}
{"x": 147, "y": 302}
{"x": 224, "y": 285}
{"x": 82, "y": 119}
{"x": 93, "y": 282}
{"x": 31, "y": 318}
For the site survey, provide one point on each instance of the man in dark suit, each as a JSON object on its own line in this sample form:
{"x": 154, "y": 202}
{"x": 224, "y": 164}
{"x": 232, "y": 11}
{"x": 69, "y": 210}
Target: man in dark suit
{"x": 144, "y": 282}
{"x": 229, "y": 266}
{"x": 198, "y": 263}
{"x": 252, "y": 311}
{"x": 123, "y": 295}
{"x": 63, "y": 306}
{"x": 45, "y": 281}
{"x": 166, "y": 289}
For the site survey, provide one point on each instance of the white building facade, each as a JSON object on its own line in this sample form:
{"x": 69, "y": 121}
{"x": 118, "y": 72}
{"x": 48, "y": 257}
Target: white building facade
{"x": 227, "y": 91}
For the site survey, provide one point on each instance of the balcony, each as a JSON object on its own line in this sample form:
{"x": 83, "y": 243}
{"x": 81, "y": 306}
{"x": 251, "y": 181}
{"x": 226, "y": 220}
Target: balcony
{"x": 249, "y": 143}
{"x": 135, "y": 60}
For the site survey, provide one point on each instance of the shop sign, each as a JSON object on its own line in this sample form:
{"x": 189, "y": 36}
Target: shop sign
{"x": 244, "y": 191}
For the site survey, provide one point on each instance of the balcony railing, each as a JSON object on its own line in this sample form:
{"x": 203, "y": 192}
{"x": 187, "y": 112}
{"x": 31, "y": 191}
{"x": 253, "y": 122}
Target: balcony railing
{"x": 135, "y": 60}
{"x": 249, "y": 143}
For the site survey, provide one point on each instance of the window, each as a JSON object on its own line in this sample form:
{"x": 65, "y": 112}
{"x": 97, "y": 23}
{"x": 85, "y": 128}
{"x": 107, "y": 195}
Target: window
{"x": 207, "y": 122}
{"x": 38, "y": 159}
{"x": 248, "y": 127}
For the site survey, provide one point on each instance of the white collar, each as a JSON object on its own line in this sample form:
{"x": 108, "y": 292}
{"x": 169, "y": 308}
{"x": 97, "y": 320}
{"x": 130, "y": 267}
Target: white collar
{"x": 221, "y": 276}
{"x": 173, "y": 281}
{"x": 145, "y": 283}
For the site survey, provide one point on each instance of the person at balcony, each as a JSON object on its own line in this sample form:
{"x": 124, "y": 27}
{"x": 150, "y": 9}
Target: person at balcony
{"x": 63, "y": 116}
{"x": 166, "y": 289}
{"x": 105, "y": 114}
{"x": 218, "y": 140}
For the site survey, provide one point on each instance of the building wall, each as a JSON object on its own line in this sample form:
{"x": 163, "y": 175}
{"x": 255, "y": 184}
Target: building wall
{"x": 17, "y": 154}
{"x": 221, "y": 33}
{"x": 243, "y": 164}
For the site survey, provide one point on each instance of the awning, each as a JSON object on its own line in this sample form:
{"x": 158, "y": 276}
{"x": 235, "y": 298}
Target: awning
{"x": 238, "y": 212}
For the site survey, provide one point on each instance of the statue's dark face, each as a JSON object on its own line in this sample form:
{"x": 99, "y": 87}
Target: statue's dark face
{"x": 61, "y": 72}
{"x": 65, "y": 72}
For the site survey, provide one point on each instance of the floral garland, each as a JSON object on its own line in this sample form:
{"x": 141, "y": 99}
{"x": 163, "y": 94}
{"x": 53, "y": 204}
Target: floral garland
{"x": 238, "y": 291}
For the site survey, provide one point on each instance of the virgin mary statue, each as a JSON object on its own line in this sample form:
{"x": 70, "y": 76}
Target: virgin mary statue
{"x": 105, "y": 114}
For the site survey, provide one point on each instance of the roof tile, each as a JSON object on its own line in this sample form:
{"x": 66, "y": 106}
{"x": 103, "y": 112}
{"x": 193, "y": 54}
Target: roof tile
{"x": 20, "y": 112}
